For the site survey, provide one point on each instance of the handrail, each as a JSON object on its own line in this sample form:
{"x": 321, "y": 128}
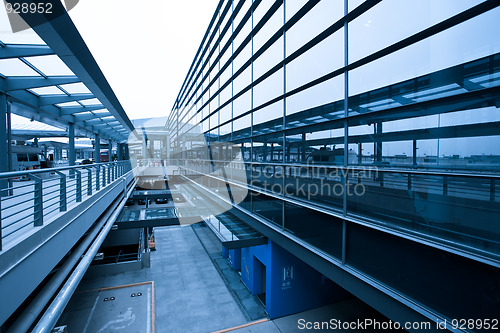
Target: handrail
{"x": 35, "y": 171}
{"x": 50, "y": 192}
{"x": 372, "y": 168}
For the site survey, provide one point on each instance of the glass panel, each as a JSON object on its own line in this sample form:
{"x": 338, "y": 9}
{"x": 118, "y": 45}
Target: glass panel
{"x": 50, "y": 65}
{"x": 269, "y": 208}
{"x": 320, "y": 17}
{"x": 445, "y": 205}
{"x": 375, "y": 29}
{"x": 319, "y": 95}
{"x": 14, "y": 67}
{"x": 75, "y": 88}
{"x": 411, "y": 267}
{"x": 320, "y": 230}
{"x": 438, "y": 52}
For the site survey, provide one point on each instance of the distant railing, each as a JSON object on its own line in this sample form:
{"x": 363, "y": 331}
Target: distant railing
{"x": 34, "y": 197}
{"x": 461, "y": 207}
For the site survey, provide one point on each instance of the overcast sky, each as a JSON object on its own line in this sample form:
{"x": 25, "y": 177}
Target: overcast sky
{"x": 144, "y": 48}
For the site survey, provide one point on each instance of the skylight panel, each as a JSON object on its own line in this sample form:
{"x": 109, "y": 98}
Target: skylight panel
{"x": 88, "y": 102}
{"x": 50, "y": 65}
{"x": 15, "y": 67}
{"x": 101, "y": 113}
{"x": 76, "y": 88}
{"x": 26, "y": 37}
{"x": 52, "y": 90}
{"x": 68, "y": 104}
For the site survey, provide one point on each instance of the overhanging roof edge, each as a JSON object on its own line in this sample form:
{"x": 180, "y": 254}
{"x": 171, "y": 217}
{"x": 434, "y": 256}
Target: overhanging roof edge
{"x": 61, "y": 35}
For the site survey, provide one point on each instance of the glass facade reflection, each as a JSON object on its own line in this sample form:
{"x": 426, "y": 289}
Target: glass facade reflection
{"x": 349, "y": 112}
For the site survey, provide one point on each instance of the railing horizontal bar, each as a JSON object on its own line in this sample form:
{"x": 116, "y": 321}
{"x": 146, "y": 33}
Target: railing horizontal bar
{"x": 16, "y": 196}
{"x": 16, "y": 230}
{"x": 14, "y": 214}
{"x": 16, "y": 204}
{"x": 51, "y": 211}
{"x": 37, "y": 171}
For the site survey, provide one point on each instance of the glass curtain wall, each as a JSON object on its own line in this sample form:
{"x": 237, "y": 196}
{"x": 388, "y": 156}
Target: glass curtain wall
{"x": 380, "y": 111}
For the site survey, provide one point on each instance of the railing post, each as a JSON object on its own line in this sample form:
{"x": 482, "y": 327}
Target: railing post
{"x": 109, "y": 166}
{"x": 78, "y": 185}
{"x": 445, "y": 185}
{"x": 97, "y": 180}
{"x": 409, "y": 181}
{"x": 38, "y": 201}
{"x": 62, "y": 192}
{"x": 89, "y": 181}
{"x": 104, "y": 176}
{"x": 492, "y": 189}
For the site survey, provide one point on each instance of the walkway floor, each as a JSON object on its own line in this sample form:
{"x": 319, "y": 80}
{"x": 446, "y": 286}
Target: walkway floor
{"x": 345, "y": 311}
{"x": 194, "y": 291}
{"x": 190, "y": 295}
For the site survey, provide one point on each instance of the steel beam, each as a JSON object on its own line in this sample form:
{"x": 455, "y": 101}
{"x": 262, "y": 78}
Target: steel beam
{"x": 62, "y": 98}
{"x": 72, "y": 110}
{"x": 11, "y": 51}
{"x": 31, "y": 82}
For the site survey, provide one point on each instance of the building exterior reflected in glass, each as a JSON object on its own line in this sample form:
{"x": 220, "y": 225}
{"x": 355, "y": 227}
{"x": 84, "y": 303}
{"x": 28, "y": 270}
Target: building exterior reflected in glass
{"x": 369, "y": 130}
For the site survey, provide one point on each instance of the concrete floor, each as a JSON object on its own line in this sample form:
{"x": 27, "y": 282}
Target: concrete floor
{"x": 190, "y": 295}
{"x": 194, "y": 291}
{"x": 345, "y": 311}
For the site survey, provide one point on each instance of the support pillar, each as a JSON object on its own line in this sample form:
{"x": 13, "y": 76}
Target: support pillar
{"x": 119, "y": 151}
{"x": 144, "y": 151}
{"x": 378, "y": 143}
{"x": 264, "y": 151}
{"x": 110, "y": 150}
{"x": 168, "y": 149}
{"x": 303, "y": 148}
{"x": 360, "y": 153}
{"x": 414, "y": 153}
{"x": 71, "y": 151}
{"x": 4, "y": 144}
{"x": 126, "y": 153}
{"x": 97, "y": 149}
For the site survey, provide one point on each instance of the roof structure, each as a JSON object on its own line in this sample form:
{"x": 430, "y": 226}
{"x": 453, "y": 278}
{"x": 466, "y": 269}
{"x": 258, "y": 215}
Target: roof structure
{"x": 58, "y": 82}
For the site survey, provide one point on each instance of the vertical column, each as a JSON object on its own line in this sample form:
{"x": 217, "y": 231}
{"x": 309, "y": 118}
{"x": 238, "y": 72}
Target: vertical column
{"x": 168, "y": 149}
{"x": 110, "y": 150}
{"x": 360, "y": 152}
{"x": 346, "y": 132}
{"x": 284, "y": 147}
{"x": 126, "y": 153}
{"x": 119, "y": 151}
{"x": 414, "y": 153}
{"x": 144, "y": 146}
{"x": 97, "y": 149}
{"x": 378, "y": 142}
{"x": 4, "y": 144}
{"x": 71, "y": 152}
{"x": 303, "y": 148}
{"x": 264, "y": 151}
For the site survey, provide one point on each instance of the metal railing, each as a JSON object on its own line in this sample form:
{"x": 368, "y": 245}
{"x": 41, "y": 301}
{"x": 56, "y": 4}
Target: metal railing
{"x": 460, "y": 206}
{"x": 33, "y": 198}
